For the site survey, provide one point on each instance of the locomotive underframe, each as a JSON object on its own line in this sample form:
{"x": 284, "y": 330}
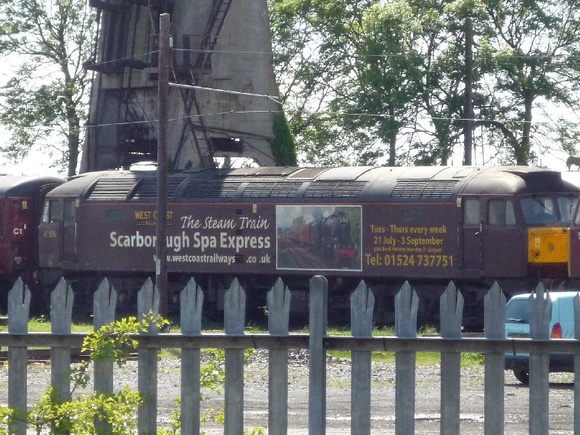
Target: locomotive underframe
{"x": 429, "y": 291}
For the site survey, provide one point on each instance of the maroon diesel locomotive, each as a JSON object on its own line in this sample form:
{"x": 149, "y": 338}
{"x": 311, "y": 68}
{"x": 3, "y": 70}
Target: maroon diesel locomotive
{"x": 21, "y": 201}
{"x": 429, "y": 225}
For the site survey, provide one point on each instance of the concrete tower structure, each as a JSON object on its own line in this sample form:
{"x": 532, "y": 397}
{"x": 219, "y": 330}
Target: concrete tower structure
{"x": 217, "y": 44}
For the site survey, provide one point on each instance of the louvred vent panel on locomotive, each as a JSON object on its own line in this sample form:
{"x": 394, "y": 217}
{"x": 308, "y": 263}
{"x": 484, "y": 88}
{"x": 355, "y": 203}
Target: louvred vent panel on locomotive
{"x": 111, "y": 189}
{"x": 210, "y": 189}
{"x": 423, "y": 189}
{"x": 147, "y": 188}
{"x": 271, "y": 190}
{"x": 333, "y": 189}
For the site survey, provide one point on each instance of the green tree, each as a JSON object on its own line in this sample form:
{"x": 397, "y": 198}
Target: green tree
{"x": 313, "y": 44}
{"x": 372, "y": 81}
{"x": 384, "y": 80}
{"x": 361, "y": 77}
{"x": 45, "y": 101}
{"x": 533, "y": 61}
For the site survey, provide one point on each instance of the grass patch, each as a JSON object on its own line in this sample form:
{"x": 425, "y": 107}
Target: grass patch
{"x": 425, "y": 359}
{"x": 42, "y": 324}
{"x": 422, "y": 358}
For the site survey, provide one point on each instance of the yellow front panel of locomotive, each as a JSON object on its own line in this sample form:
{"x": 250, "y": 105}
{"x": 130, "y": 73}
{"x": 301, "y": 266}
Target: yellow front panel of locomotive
{"x": 548, "y": 245}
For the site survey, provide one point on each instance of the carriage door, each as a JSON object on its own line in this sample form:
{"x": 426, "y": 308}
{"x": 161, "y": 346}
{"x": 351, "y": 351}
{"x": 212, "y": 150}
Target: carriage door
{"x": 472, "y": 228}
{"x": 69, "y": 230}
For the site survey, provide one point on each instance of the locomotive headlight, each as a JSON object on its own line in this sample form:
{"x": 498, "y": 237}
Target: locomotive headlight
{"x": 537, "y": 253}
{"x": 551, "y": 247}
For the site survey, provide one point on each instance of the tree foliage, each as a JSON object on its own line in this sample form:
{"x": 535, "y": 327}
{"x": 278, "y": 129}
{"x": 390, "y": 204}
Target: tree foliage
{"x": 384, "y": 82}
{"x": 44, "y": 102}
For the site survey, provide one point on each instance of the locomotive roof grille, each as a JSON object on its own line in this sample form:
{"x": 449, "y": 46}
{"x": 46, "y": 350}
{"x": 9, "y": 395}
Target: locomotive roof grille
{"x": 147, "y": 188}
{"x": 424, "y": 189}
{"x": 271, "y": 190}
{"x": 334, "y": 189}
{"x": 210, "y": 189}
{"x": 111, "y": 189}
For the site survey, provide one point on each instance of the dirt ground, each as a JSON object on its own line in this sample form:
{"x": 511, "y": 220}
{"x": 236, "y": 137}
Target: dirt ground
{"x": 427, "y": 403}
{"x": 338, "y": 397}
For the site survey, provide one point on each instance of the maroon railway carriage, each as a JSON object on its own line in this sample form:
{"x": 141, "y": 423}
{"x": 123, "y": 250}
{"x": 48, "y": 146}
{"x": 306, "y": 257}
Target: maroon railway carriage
{"x": 21, "y": 199}
{"x": 385, "y": 225}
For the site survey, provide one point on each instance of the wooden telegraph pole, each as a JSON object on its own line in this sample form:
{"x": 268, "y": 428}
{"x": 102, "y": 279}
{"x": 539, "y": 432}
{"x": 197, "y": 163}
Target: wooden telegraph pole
{"x": 468, "y": 113}
{"x": 162, "y": 162}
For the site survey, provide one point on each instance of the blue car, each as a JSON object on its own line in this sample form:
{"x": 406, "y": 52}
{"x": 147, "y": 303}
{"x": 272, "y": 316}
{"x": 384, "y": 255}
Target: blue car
{"x": 561, "y": 326}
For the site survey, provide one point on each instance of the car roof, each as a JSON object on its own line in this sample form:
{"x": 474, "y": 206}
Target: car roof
{"x": 553, "y": 295}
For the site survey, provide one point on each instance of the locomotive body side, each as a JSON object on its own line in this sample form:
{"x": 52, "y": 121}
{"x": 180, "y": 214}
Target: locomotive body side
{"x": 384, "y": 225}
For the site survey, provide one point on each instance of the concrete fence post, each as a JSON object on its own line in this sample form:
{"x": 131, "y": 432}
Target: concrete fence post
{"x": 234, "y": 323}
{"x": 61, "y": 305}
{"x": 104, "y": 306}
{"x": 278, "y": 322}
{"x": 494, "y": 375}
{"x": 191, "y": 303}
{"x": 451, "y": 315}
{"x": 406, "y": 308}
{"x": 317, "y": 366}
{"x": 104, "y": 303}
{"x": 577, "y": 365}
{"x": 18, "y": 314}
{"x": 147, "y": 303}
{"x": 362, "y": 305}
{"x": 540, "y": 306}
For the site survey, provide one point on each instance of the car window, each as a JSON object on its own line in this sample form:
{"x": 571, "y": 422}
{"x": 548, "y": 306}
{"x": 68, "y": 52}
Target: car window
{"x": 517, "y": 311}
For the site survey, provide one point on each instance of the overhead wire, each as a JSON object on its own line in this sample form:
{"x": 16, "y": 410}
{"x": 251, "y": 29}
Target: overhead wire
{"x": 278, "y": 101}
{"x": 153, "y": 121}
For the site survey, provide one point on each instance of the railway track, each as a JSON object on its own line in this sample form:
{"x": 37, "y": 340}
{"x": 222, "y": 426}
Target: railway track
{"x": 42, "y": 356}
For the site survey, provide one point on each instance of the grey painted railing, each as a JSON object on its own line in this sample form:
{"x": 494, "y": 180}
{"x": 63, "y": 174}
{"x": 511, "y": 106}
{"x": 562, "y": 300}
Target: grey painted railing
{"x": 278, "y": 341}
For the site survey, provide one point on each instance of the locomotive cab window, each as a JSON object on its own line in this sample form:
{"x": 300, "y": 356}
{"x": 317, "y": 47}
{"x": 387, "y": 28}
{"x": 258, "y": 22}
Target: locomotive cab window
{"x": 471, "y": 211}
{"x": 51, "y": 212}
{"x": 548, "y": 210}
{"x": 69, "y": 211}
{"x": 567, "y": 207}
{"x": 501, "y": 212}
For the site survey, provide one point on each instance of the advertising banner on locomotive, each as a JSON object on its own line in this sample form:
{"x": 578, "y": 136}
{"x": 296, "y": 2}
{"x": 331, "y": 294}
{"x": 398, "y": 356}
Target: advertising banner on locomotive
{"x": 369, "y": 239}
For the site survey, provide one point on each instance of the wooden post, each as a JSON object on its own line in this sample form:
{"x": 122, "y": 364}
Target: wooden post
{"x": 362, "y": 305}
{"x": 162, "y": 162}
{"x": 494, "y": 321}
{"x": 406, "y": 308}
{"x": 191, "y": 303}
{"x": 18, "y": 313}
{"x": 451, "y": 314}
{"x": 235, "y": 317}
{"x": 278, "y": 321}
{"x": 468, "y": 121}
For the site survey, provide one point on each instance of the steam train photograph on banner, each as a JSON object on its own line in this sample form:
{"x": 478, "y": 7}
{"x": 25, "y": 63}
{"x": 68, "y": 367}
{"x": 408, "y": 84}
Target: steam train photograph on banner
{"x": 315, "y": 237}
{"x": 384, "y": 225}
